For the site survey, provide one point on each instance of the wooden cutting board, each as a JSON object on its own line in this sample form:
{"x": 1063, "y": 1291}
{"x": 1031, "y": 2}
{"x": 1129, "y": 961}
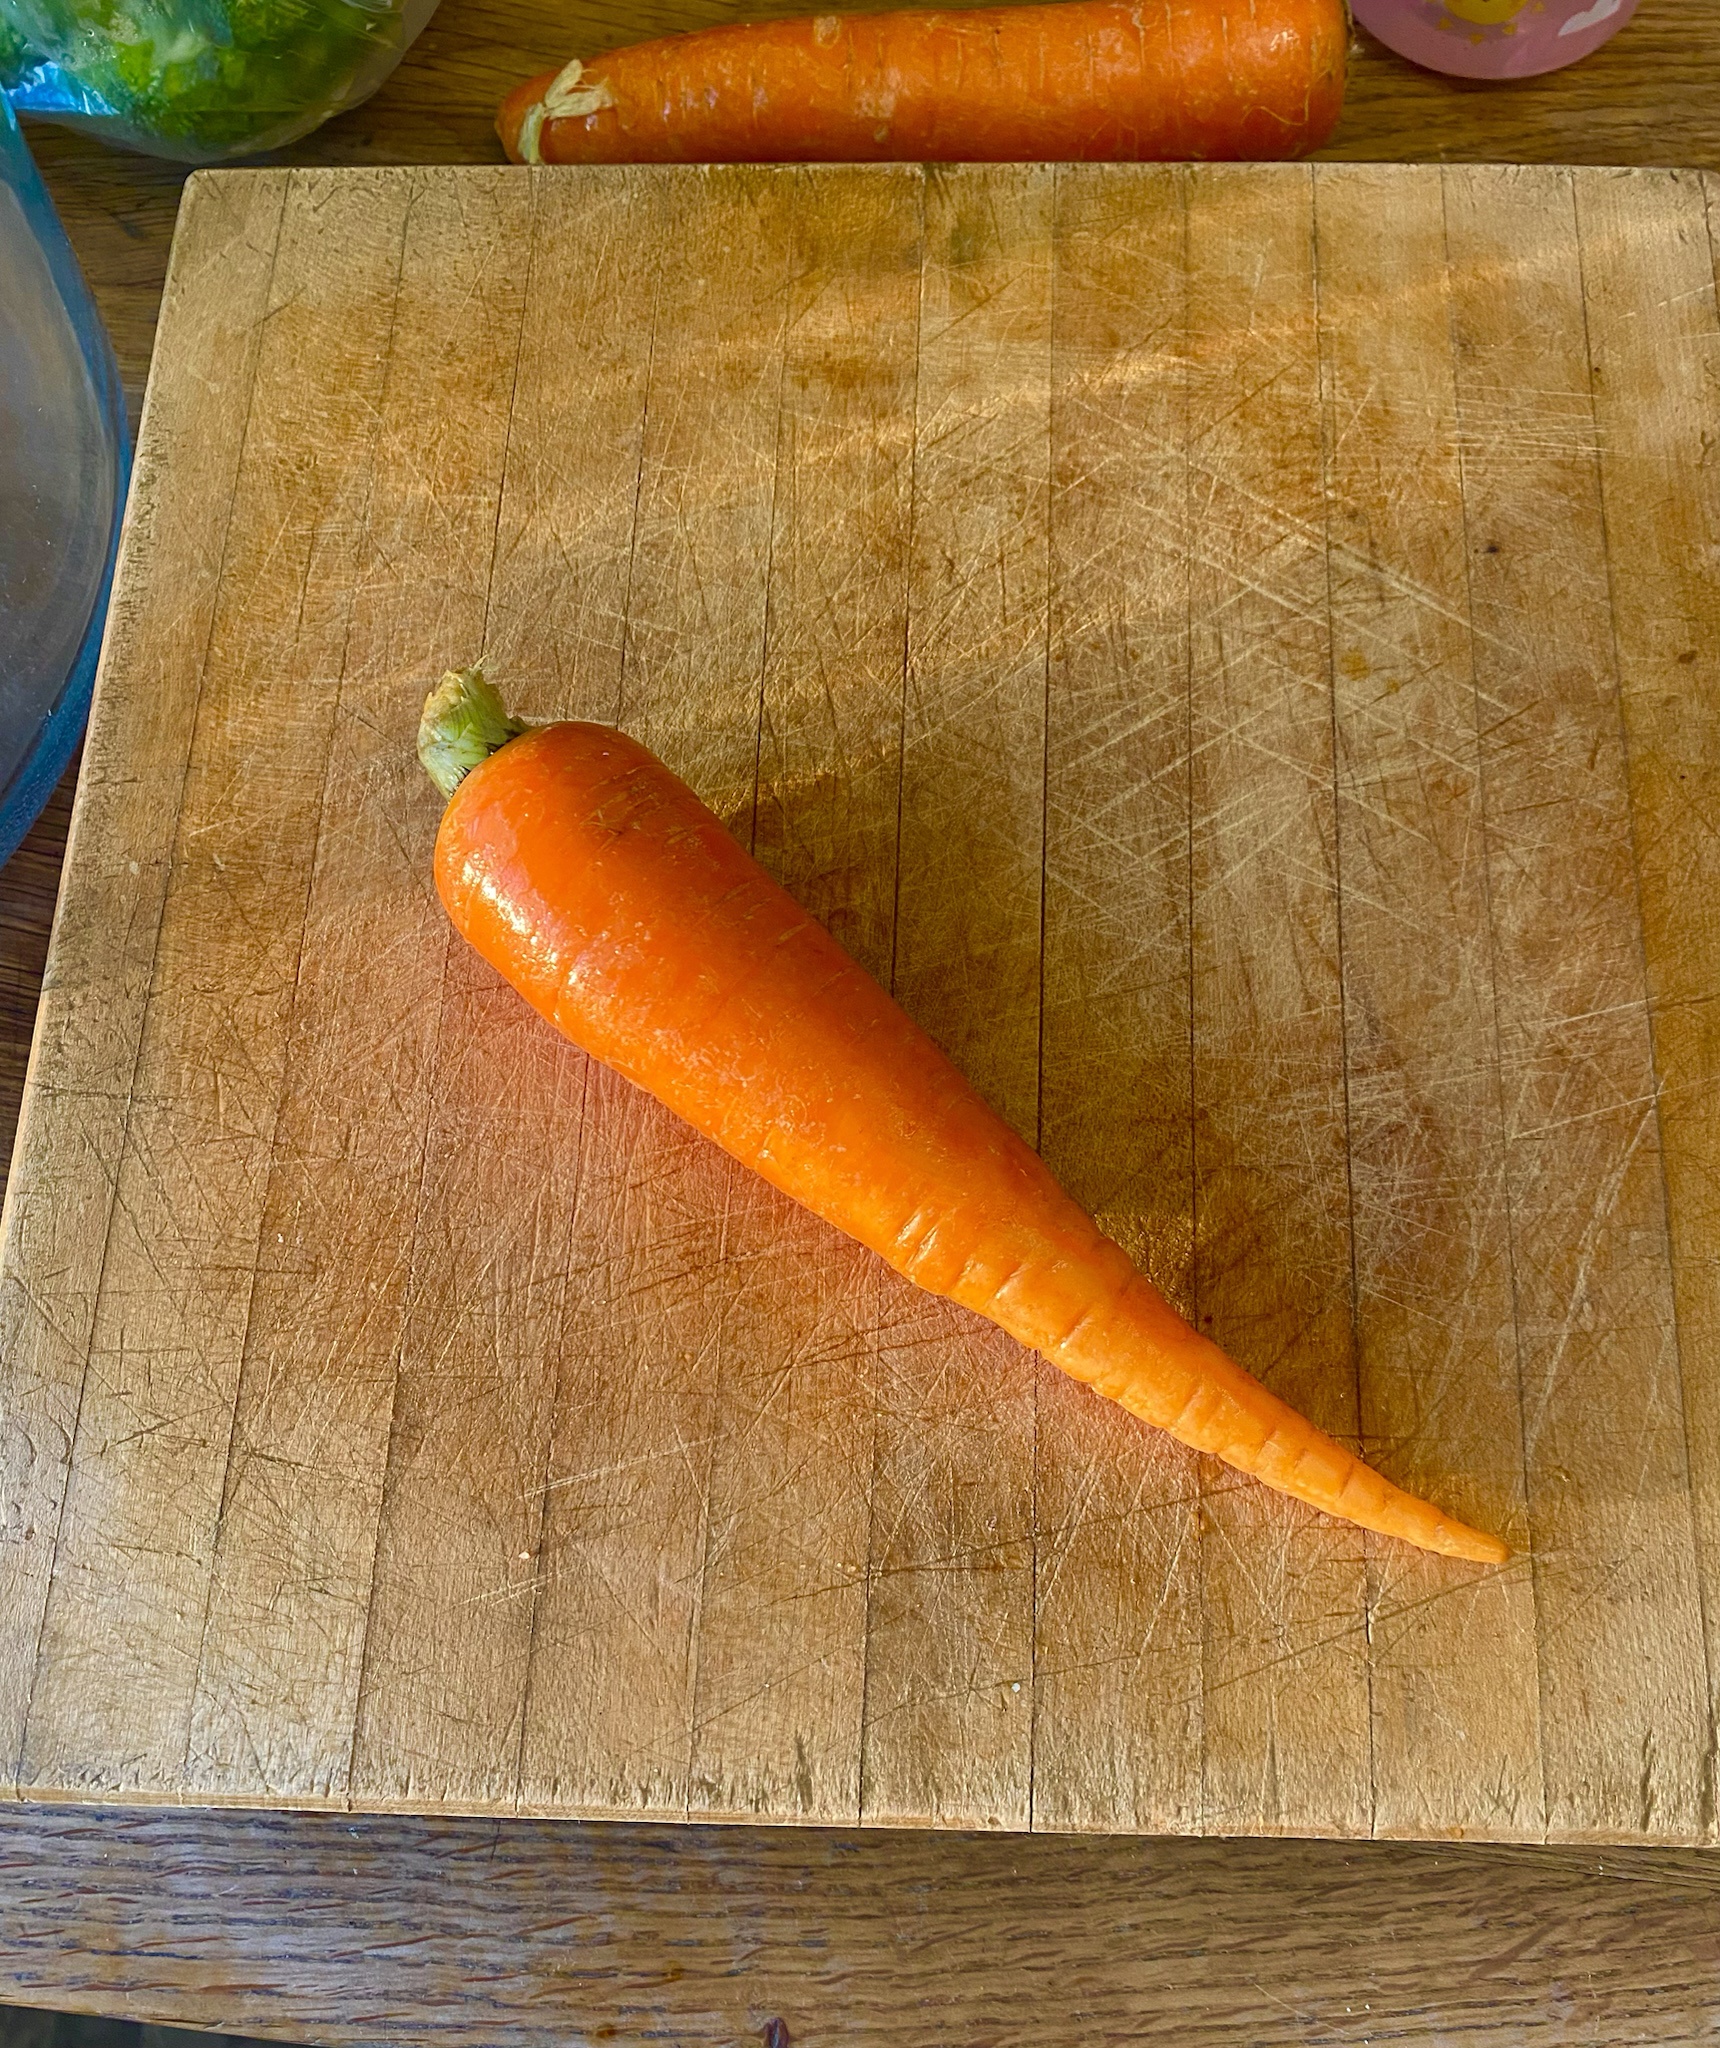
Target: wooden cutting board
{"x": 1238, "y": 650}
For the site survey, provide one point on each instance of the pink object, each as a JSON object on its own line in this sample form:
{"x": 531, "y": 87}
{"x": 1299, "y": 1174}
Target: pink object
{"x": 1493, "y": 38}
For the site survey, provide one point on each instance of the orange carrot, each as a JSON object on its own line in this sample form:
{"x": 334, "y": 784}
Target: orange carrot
{"x": 1080, "y": 79}
{"x": 618, "y": 905}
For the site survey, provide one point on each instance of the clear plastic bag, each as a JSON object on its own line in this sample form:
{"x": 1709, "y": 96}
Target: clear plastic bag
{"x": 62, "y": 490}
{"x": 200, "y": 80}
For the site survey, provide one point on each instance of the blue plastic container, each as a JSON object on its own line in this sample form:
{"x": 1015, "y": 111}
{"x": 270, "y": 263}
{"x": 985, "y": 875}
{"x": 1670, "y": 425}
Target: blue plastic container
{"x": 62, "y": 491}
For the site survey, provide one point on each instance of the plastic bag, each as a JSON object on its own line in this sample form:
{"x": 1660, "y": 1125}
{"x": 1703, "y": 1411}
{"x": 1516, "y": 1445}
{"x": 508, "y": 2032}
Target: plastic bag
{"x": 200, "y": 80}
{"x": 62, "y": 489}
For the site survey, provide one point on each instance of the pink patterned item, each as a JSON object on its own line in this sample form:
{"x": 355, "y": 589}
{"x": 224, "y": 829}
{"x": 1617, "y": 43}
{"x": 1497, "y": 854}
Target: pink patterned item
{"x": 1493, "y": 38}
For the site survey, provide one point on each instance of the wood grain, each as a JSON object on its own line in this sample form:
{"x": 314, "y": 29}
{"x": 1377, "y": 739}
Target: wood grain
{"x": 183, "y": 503}
{"x": 1614, "y": 1556}
{"x": 558, "y": 613}
{"x": 1117, "y": 1725}
{"x": 328, "y": 1316}
{"x": 1169, "y": 620}
{"x": 171, "y": 1298}
{"x": 950, "y": 1619}
{"x": 778, "y": 1649}
{"x": 533, "y": 1934}
{"x": 1283, "y": 1654}
{"x": 1662, "y": 511}
{"x": 1429, "y": 1215}
{"x": 830, "y": 716}
{"x": 463, "y": 1442}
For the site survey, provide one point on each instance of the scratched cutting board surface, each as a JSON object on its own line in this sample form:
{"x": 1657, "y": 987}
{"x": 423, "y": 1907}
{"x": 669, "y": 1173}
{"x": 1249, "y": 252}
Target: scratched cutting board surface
{"x": 1238, "y": 652}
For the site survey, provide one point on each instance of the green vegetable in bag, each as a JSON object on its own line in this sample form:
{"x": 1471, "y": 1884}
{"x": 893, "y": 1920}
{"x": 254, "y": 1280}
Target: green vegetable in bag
{"x": 200, "y": 80}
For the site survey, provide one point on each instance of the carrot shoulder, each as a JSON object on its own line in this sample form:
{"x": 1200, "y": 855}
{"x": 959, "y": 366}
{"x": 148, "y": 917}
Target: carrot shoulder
{"x": 1077, "y": 79}
{"x": 619, "y": 906}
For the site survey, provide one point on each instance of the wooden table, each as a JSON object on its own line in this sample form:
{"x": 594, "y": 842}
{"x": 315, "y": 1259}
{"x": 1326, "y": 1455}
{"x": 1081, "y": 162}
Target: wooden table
{"x": 318, "y": 1928}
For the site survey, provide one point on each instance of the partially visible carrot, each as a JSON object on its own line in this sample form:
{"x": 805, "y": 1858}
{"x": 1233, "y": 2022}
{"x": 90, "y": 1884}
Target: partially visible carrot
{"x": 1078, "y": 79}
{"x": 617, "y": 904}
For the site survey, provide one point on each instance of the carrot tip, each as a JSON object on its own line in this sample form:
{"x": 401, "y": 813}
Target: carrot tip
{"x": 1472, "y": 1546}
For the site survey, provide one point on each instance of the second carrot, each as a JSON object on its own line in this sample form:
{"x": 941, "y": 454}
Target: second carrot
{"x": 1080, "y": 80}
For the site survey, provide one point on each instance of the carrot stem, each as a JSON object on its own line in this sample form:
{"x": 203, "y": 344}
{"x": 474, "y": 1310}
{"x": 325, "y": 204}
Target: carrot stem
{"x": 464, "y": 723}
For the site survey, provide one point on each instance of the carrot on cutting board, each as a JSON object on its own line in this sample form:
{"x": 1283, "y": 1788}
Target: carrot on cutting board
{"x": 1078, "y": 79}
{"x": 620, "y": 907}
